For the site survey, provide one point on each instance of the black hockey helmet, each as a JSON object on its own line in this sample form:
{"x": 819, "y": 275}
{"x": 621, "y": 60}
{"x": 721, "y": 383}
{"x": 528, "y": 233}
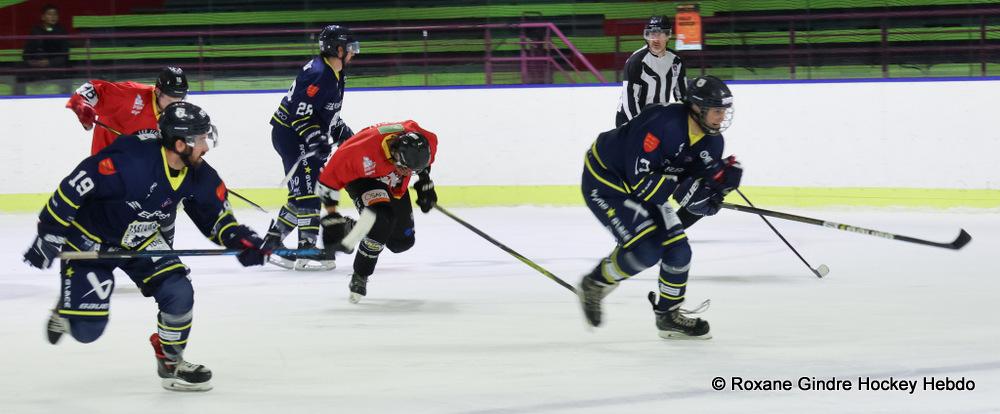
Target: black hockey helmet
{"x": 710, "y": 92}
{"x": 656, "y": 25}
{"x": 185, "y": 121}
{"x": 172, "y": 82}
{"x": 411, "y": 150}
{"x": 333, "y": 36}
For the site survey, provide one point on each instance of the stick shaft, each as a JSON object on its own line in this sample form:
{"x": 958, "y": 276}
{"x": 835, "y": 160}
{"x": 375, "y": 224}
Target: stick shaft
{"x": 295, "y": 166}
{"x": 132, "y": 254}
{"x": 247, "y": 200}
{"x": 780, "y": 236}
{"x": 959, "y": 242}
{"x": 510, "y": 251}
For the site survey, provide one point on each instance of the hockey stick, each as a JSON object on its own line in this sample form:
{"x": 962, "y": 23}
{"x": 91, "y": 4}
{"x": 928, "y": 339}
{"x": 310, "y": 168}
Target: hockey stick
{"x": 131, "y": 254}
{"x": 820, "y": 271}
{"x": 295, "y": 166}
{"x": 959, "y": 242}
{"x": 105, "y": 126}
{"x": 507, "y": 249}
{"x": 247, "y": 200}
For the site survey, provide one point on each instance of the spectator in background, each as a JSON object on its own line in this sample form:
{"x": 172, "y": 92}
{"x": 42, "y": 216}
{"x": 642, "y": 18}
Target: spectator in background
{"x": 45, "y": 53}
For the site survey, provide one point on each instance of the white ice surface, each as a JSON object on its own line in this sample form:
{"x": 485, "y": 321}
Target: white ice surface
{"x": 455, "y": 325}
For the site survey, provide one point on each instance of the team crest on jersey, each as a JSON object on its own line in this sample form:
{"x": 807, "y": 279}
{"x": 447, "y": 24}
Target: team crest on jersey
{"x": 369, "y": 165}
{"x": 137, "y": 105}
{"x": 650, "y": 142}
{"x": 106, "y": 167}
{"x": 312, "y": 90}
{"x": 220, "y": 191}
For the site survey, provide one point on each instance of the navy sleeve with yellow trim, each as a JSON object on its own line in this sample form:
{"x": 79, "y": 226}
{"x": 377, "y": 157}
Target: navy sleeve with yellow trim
{"x": 94, "y": 177}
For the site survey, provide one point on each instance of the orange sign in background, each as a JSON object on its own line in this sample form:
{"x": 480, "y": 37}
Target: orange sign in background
{"x": 688, "y": 27}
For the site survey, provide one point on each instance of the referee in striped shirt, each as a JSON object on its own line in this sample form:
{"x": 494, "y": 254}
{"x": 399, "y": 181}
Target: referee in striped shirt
{"x": 653, "y": 73}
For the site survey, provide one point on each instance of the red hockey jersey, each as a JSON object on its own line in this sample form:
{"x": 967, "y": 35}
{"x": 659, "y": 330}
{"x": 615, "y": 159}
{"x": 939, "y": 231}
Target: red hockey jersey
{"x": 127, "y": 107}
{"x": 366, "y": 155}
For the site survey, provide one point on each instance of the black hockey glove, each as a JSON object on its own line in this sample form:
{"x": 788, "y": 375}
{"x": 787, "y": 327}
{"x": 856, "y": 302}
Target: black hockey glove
{"x": 44, "y": 250}
{"x": 335, "y": 228}
{"x": 706, "y": 195}
{"x": 426, "y": 196}
{"x": 252, "y": 249}
{"x": 319, "y": 145}
{"x": 340, "y": 134}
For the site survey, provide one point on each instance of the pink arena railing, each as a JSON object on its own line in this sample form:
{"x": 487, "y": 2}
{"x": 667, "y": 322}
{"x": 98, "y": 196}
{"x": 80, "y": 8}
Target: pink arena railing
{"x": 533, "y": 50}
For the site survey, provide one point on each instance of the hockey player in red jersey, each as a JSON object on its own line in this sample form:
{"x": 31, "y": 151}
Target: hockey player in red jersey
{"x": 127, "y": 108}
{"x": 375, "y": 166}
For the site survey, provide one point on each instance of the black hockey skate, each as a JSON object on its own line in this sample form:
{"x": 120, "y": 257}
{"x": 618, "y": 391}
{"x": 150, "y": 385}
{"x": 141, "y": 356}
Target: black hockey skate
{"x": 314, "y": 263}
{"x": 179, "y": 375}
{"x": 358, "y": 287}
{"x": 592, "y": 292}
{"x": 272, "y": 242}
{"x": 675, "y": 324}
{"x": 56, "y": 327}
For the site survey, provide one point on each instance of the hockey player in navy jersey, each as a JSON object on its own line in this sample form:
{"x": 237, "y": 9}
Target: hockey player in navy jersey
{"x": 305, "y": 127}
{"x": 629, "y": 174}
{"x": 117, "y": 199}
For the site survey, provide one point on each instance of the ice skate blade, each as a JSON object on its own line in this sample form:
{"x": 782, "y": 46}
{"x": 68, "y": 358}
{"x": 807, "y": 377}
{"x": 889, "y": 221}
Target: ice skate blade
{"x": 179, "y": 385}
{"x": 281, "y": 262}
{"x": 355, "y": 298}
{"x": 678, "y": 336}
{"x": 308, "y": 265}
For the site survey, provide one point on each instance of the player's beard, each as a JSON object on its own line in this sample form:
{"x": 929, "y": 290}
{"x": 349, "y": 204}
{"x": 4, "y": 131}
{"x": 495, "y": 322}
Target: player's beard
{"x": 190, "y": 163}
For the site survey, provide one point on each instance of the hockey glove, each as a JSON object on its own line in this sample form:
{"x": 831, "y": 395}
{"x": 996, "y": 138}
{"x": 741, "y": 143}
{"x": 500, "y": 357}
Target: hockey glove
{"x": 319, "y": 145}
{"x": 729, "y": 177}
{"x": 705, "y": 196}
{"x": 252, "y": 249}
{"x": 335, "y": 228}
{"x": 44, "y": 250}
{"x": 84, "y": 112}
{"x": 426, "y": 196}
{"x": 340, "y": 134}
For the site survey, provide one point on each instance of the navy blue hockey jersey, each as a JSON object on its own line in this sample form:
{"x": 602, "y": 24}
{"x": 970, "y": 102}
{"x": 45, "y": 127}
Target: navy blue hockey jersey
{"x": 312, "y": 105}
{"x": 649, "y": 155}
{"x": 118, "y": 198}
